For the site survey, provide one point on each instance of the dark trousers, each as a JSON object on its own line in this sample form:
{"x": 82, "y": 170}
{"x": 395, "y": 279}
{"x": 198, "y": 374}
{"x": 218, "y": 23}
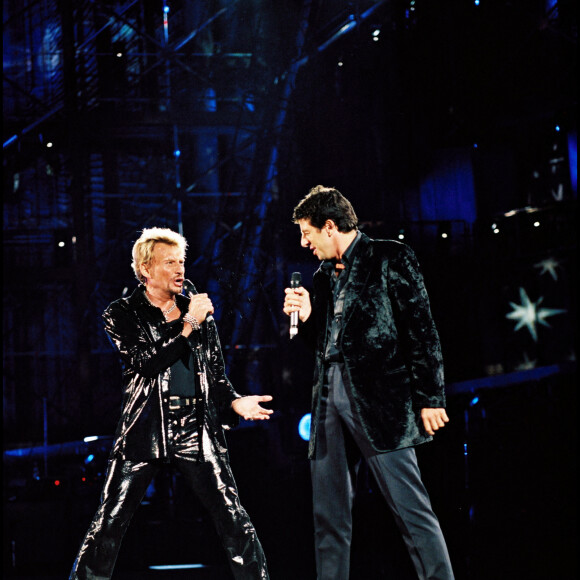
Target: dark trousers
{"x": 339, "y": 446}
{"x": 213, "y": 483}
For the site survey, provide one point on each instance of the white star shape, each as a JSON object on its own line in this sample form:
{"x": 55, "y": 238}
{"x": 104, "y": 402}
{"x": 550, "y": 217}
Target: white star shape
{"x": 548, "y": 265}
{"x": 528, "y": 314}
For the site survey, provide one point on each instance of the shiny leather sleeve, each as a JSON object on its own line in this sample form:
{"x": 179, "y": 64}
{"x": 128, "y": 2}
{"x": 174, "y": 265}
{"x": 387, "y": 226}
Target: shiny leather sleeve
{"x": 142, "y": 349}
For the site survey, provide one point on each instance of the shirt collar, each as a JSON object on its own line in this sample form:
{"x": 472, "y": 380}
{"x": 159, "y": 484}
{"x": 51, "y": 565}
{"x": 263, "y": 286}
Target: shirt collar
{"x": 328, "y": 266}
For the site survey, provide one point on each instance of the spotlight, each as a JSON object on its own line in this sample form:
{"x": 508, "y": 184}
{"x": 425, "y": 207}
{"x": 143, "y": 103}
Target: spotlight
{"x": 401, "y": 234}
{"x": 63, "y": 248}
{"x": 444, "y": 230}
{"x": 304, "y": 427}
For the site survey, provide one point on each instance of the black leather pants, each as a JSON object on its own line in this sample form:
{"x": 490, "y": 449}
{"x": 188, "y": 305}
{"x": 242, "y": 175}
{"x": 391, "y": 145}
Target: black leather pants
{"x": 213, "y": 483}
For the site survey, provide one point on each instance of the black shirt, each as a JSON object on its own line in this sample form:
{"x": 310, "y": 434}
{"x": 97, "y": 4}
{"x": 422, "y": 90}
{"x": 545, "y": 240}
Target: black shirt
{"x": 182, "y": 373}
{"x": 337, "y": 286}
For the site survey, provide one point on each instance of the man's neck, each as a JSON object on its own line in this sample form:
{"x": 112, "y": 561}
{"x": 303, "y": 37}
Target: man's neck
{"x": 344, "y": 241}
{"x": 158, "y": 297}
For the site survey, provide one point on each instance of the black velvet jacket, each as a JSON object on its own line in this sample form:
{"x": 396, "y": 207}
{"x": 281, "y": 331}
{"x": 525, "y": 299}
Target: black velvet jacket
{"x": 148, "y": 347}
{"x": 390, "y": 345}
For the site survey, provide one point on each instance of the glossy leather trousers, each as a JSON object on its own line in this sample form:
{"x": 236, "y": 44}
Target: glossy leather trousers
{"x": 213, "y": 483}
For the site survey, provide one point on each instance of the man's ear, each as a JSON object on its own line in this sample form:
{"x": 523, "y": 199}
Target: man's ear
{"x": 144, "y": 269}
{"x": 330, "y": 227}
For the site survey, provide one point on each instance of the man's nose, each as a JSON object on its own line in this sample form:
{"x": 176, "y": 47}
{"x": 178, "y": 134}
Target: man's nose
{"x": 304, "y": 242}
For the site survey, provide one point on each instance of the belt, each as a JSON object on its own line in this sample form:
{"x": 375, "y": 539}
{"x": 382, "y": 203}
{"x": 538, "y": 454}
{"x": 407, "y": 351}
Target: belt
{"x": 177, "y": 402}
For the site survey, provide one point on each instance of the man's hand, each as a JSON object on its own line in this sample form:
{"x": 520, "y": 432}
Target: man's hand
{"x": 249, "y": 407}
{"x": 297, "y": 300}
{"x": 200, "y": 306}
{"x": 433, "y": 419}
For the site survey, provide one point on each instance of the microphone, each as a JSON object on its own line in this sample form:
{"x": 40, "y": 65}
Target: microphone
{"x": 188, "y": 287}
{"x": 295, "y": 282}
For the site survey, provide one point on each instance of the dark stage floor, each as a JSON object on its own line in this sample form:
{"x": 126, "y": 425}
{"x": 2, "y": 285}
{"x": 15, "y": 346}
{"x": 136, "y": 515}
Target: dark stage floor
{"x": 507, "y": 507}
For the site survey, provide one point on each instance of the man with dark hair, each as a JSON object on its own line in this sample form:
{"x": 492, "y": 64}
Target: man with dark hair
{"x": 177, "y": 400}
{"x": 378, "y": 385}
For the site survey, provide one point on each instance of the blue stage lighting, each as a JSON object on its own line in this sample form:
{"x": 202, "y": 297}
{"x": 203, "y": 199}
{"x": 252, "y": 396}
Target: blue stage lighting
{"x": 304, "y": 427}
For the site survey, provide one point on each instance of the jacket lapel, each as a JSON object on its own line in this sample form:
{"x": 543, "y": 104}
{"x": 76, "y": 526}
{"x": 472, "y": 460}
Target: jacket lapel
{"x": 359, "y": 276}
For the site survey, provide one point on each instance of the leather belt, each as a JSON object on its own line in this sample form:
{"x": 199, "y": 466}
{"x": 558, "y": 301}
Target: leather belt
{"x": 178, "y": 402}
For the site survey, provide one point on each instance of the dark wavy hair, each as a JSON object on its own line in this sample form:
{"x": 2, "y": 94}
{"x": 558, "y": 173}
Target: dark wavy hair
{"x": 326, "y": 203}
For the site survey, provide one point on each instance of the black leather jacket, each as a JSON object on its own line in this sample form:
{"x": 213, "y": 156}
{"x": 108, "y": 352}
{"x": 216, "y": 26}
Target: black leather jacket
{"x": 148, "y": 347}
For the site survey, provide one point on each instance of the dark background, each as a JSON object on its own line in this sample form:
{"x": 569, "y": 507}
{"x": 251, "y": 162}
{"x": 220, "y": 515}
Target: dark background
{"x": 453, "y": 117}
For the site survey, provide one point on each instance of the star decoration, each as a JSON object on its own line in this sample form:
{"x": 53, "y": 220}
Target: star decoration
{"x": 548, "y": 265}
{"x": 529, "y": 315}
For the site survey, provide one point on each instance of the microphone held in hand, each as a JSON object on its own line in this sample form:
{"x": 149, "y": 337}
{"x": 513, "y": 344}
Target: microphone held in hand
{"x": 295, "y": 282}
{"x": 189, "y": 288}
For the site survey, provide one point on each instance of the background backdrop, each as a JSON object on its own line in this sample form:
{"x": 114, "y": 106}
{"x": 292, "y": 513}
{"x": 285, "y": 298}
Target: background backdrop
{"x": 450, "y": 126}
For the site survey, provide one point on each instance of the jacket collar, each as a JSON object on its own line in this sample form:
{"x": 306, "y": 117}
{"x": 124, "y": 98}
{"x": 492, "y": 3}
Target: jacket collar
{"x": 360, "y": 252}
{"x": 139, "y": 300}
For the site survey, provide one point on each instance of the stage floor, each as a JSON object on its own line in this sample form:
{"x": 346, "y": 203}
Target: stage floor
{"x": 502, "y": 478}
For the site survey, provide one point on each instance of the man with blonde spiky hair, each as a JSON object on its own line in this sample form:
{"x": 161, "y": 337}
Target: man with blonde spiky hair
{"x": 177, "y": 400}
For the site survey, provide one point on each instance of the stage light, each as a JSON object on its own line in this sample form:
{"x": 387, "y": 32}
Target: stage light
{"x": 474, "y": 401}
{"x": 304, "y": 427}
{"x": 210, "y": 99}
{"x": 177, "y": 567}
{"x": 536, "y": 224}
{"x": 444, "y": 230}
{"x": 49, "y": 145}
{"x": 89, "y": 458}
{"x": 401, "y": 235}
{"x": 376, "y": 33}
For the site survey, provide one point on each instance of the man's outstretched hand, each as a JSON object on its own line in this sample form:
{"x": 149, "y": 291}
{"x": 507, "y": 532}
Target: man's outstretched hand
{"x": 249, "y": 407}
